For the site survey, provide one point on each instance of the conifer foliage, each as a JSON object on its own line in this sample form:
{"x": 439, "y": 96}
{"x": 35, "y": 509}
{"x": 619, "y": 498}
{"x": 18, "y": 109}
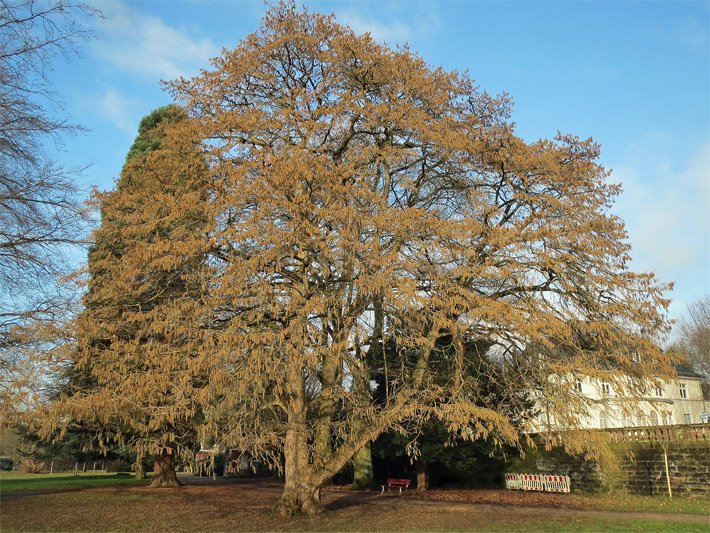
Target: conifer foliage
{"x": 137, "y": 339}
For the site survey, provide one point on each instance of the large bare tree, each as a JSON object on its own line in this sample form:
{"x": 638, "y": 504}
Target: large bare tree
{"x": 389, "y": 251}
{"x": 41, "y": 208}
{"x": 693, "y": 336}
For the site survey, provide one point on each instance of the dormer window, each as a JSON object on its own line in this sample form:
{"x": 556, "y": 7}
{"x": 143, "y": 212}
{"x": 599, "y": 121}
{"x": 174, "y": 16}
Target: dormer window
{"x": 578, "y": 386}
{"x": 683, "y": 389}
{"x": 606, "y": 388}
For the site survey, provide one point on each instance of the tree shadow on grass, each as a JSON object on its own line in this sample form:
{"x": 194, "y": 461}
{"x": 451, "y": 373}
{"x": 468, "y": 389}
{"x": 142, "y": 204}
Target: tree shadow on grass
{"x": 344, "y": 500}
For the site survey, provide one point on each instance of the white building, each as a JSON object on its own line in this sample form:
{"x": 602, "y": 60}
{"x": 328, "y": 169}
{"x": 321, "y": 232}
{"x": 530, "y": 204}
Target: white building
{"x": 674, "y": 403}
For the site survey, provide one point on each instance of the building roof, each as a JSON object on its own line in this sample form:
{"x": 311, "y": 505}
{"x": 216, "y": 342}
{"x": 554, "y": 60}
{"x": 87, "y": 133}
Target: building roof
{"x": 685, "y": 372}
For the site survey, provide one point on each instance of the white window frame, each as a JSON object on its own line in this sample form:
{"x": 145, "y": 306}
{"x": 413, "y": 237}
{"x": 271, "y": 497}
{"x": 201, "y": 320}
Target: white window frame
{"x": 683, "y": 390}
{"x": 606, "y": 388}
{"x": 687, "y": 418}
{"x": 603, "y": 420}
{"x": 659, "y": 392}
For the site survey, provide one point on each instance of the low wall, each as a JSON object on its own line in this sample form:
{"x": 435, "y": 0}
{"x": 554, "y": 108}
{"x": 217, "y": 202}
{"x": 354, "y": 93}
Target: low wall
{"x": 639, "y": 467}
{"x": 688, "y": 464}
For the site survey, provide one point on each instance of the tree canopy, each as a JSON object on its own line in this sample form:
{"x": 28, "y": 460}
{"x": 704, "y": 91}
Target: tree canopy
{"x": 340, "y": 240}
{"x": 375, "y": 220}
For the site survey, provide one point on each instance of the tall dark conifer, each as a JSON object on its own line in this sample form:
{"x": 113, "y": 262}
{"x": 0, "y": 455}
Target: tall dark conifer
{"x": 137, "y": 338}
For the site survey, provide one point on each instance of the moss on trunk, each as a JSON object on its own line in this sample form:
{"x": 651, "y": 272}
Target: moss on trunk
{"x": 363, "y": 477}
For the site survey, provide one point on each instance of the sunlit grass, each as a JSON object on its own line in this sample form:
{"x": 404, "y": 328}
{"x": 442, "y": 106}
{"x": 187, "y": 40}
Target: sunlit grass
{"x": 12, "y": 482}
{"x": 651, "y": 504}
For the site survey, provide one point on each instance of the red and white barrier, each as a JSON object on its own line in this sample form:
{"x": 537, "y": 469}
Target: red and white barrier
{"x": 539, "y": 482}
{"x": 533, "y": 482}
{"x": 513, "y": 482}
{"x": 556, "y": 483}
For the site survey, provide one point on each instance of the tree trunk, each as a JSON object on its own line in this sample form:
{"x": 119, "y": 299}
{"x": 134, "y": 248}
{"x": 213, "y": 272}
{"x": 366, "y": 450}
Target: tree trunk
{"x": 299, "y": 495}
{"x": 164, "y": 470}
{"x": 139, "y": 467}
{"x": 322, "y": 448}
{"x": 364, "y": 477}
{"x": 422, "y": 475}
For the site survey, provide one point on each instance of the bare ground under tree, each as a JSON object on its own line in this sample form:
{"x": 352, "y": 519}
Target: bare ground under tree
{"x": 204, "y": 505}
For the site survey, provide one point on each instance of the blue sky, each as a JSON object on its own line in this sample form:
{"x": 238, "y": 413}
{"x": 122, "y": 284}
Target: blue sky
{"x": 633, "y": 75}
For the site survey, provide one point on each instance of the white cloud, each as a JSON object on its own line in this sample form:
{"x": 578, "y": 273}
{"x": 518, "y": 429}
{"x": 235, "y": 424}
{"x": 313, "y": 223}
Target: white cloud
{"x": 393, "y": 32}
{"x": 667, "y": 215}
{"x": 694, "y": 33}
{"x": 118, "y": 109}
{"x": 141, "y": 44}
{"x": 392, "y": 23}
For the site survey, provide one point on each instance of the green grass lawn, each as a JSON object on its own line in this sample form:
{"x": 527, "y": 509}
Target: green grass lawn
{"x": 612, "y": 502}
{"x": 14, "y": 482}
{"x": 650, "y": 504}
{"x": 619, "y": 525}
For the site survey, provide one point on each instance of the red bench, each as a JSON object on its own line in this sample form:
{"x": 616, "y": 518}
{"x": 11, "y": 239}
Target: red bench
{"x": 391, "y": 483}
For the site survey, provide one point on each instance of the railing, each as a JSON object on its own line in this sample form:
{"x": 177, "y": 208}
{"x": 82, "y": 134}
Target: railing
{"x": 694, "y": 432}
{"x": 685, "y": 432}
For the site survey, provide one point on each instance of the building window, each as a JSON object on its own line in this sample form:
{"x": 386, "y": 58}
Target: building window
{"x": 659, "y": 392}
{"x": 654, "y": 418}
{"x": 683, "y": 390}
{"x": 629, "y": 421}
{"x": 687, "y": 418}
{"x": 606, "y": 388}
{"x": 635, "y": 357}
{"x": 578, "y": 386}
{"x": 603, "y": 421}
{"x": 668, "y": 420}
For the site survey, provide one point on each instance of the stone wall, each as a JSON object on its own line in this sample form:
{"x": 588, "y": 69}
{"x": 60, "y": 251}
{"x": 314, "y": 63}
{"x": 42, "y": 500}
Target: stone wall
{"x": 639, "y": 468}
{"x": 644, "y": 470}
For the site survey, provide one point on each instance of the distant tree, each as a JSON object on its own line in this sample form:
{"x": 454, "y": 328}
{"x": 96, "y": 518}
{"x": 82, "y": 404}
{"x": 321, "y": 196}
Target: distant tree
{"x": 41, "y": 208}
{"x": 692, "y": 339}
{"x": 137, "y": 339}
{"x": 363, "y": 199}
{"x": 76, "y": 440}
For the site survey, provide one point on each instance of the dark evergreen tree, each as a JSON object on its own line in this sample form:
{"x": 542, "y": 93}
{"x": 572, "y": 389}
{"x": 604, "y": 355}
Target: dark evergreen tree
{"x": 135, "y": 339}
